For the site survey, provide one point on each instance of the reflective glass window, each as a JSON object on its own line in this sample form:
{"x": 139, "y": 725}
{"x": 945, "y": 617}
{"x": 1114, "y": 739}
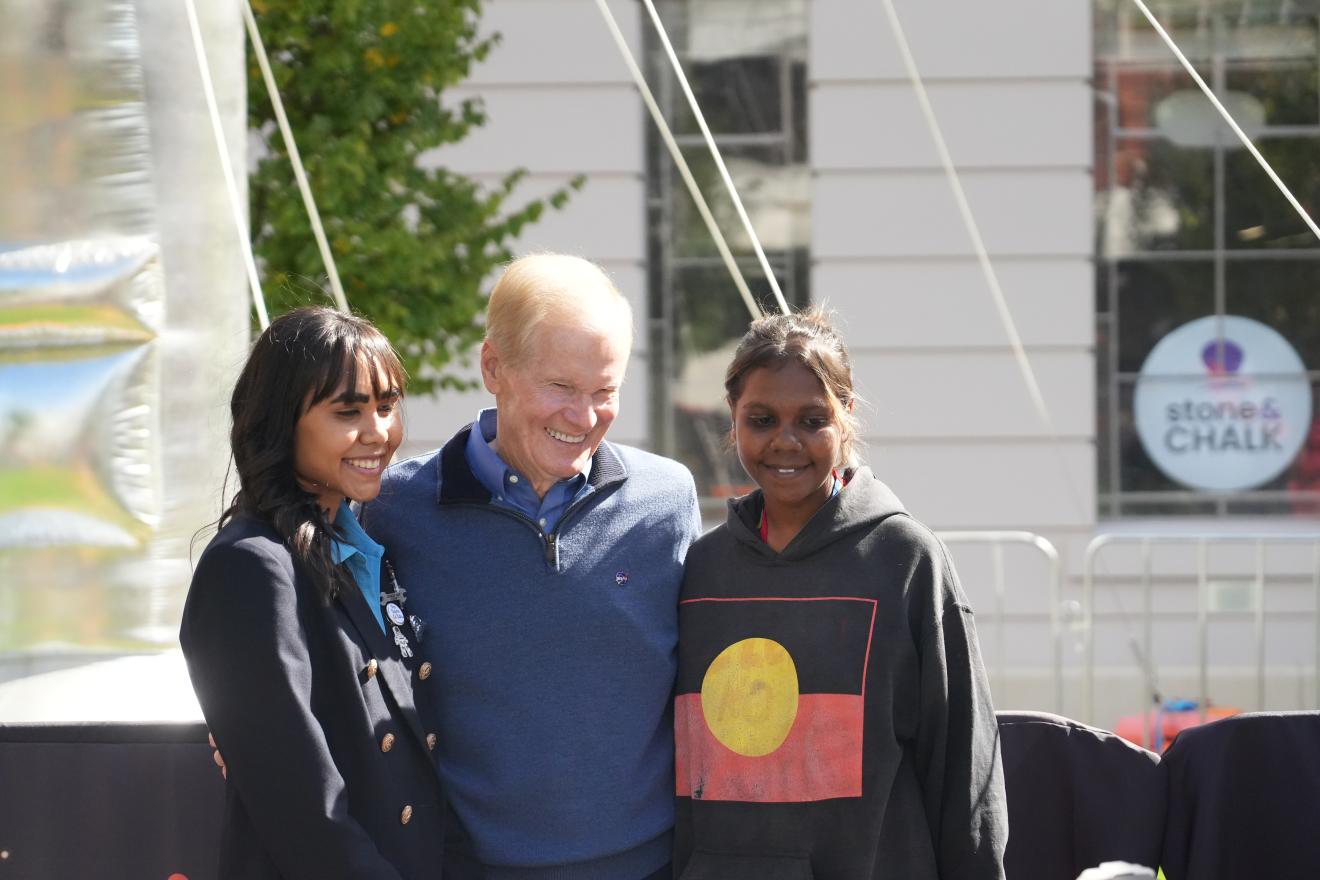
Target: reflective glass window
{"x": 746, "y": 62}
{"x": 1188, "y": 227}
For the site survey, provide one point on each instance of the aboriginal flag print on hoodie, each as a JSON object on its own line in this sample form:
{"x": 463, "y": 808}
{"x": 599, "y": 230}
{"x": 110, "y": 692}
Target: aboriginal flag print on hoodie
{"x": 771, "y": 708}
{"x": 832, "y": 719}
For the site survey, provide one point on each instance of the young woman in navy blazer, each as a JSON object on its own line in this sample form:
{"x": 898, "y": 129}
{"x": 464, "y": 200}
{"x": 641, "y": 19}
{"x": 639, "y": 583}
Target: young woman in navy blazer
{"x": 304, "y": 678}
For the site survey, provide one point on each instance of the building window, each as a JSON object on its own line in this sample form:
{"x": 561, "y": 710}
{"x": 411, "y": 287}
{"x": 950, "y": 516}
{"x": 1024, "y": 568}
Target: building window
{"x": 746, "y": 61}
{"x": 1189, "y": 227}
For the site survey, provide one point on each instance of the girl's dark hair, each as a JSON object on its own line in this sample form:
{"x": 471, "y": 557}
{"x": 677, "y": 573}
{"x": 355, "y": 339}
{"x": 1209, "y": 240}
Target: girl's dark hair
{"x": 300, "y": 360}
{"x": 806, "y": 338}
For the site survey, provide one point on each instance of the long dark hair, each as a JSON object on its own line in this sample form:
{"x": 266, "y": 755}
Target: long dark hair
{"x": 301, "y": 359}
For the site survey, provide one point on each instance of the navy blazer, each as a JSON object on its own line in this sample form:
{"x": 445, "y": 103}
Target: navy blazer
{"x": 331, "y": 768}
{"x": 1242, "y": 798}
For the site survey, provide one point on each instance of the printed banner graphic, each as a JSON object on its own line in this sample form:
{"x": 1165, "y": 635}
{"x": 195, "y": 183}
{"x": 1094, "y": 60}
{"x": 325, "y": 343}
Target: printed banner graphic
{"x": 770, "y": 698}
{"x": 1222, "y": 404}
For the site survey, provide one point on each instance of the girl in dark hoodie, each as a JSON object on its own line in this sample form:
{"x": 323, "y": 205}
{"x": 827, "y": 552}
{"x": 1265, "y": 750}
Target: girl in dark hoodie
{"x": 832, "y": 719}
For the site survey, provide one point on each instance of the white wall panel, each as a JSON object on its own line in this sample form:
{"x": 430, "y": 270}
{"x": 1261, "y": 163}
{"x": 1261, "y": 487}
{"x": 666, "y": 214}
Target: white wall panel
{"x": 567, "y": 129}
{"x": 969, "y": 394}
{"x": 991, "y": 486}
{"x": 604, "y": 221}
{"x": 985, "y": 124}
{"x": 555, "y": 41}
{"x": 914, "y": 214}
{"x": 919, "y": 303}
{"x": 951, "y": 423}
{"x": 851, "y": 39}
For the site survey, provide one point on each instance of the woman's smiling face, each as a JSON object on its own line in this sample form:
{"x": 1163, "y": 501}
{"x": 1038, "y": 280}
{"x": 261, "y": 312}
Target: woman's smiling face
{"x": 788, "y": 436}
{"x": 343, "y": 443}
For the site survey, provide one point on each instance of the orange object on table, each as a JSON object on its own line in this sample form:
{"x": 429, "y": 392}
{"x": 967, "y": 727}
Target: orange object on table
{"x": 1166, "y": 722}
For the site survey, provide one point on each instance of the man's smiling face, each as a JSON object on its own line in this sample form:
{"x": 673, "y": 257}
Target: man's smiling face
{"x": 555, "y": 403}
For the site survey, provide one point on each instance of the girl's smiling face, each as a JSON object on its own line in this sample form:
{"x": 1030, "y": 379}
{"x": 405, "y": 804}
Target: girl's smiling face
{"x": 343, "y": 443}
{"x": 788, "y": 435}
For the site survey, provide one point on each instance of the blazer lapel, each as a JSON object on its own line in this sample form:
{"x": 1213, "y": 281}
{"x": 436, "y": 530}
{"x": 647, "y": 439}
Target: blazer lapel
{"x": 393, "y": 671}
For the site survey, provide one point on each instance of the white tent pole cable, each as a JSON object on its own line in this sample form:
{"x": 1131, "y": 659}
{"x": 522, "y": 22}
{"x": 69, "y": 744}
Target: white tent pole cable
{"x": 1228, "y": 117}
{"x": 300, "y": 175}
{"x": 715, "y": 154}
{"x": 227, "y": 168}
{"x": 684, "y": 171}
{"x": 978, "y": 245}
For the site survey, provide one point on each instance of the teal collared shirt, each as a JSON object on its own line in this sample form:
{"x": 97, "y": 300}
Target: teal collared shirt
{"x": 361, "y": 555}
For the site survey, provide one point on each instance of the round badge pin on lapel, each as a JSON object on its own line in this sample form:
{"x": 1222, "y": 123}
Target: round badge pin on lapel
{"x": 621, "y": 577}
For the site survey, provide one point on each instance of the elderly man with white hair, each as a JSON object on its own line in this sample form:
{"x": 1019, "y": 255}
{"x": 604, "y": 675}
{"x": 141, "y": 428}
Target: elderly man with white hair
{"x": 545, "y": 563}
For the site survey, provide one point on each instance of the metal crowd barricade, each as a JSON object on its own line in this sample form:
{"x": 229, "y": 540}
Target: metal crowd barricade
{"x": 997, "y": 541}
{"x": 1202, "y": 541}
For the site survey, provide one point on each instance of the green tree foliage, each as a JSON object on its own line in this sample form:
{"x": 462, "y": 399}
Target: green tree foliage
{"x": 361, "y": 82}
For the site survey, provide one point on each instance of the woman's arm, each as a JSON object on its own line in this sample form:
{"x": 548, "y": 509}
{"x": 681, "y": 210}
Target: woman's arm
{"x": 248, "y": 659}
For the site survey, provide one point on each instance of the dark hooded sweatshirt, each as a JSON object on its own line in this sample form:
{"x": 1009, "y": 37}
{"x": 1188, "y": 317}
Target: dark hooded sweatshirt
{"x": 832, "y": 715}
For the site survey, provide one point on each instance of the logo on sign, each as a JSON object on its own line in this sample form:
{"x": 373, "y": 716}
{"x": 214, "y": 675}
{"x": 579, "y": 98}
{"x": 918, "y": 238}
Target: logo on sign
{"x": 1222, "y": 404}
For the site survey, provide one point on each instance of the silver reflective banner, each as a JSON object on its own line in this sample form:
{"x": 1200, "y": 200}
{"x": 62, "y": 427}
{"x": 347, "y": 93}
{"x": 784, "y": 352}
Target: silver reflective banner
{"x": 122, "y": 321}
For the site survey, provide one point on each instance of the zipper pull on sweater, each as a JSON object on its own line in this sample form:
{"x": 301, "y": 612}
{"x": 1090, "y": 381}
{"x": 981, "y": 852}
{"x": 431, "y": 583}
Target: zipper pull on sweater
{"x": 552, "y": 551}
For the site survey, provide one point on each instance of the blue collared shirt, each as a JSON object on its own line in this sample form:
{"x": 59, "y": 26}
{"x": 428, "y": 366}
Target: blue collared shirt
{"x": 362, "y": 556}
{"x": 511, "y": 489}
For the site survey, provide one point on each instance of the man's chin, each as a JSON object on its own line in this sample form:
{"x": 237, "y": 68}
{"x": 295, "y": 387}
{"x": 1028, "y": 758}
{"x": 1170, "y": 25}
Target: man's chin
{"x": 572, "y": 467}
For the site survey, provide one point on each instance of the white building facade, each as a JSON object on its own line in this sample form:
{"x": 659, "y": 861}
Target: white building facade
{"x": 1108, "y": 226}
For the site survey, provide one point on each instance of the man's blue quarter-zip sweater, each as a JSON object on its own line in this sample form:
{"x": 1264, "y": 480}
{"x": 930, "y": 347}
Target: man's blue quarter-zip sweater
{"x": 553, "y": 656}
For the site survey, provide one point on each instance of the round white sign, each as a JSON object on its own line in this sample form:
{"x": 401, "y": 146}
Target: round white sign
{"x": 1222, "y": 413}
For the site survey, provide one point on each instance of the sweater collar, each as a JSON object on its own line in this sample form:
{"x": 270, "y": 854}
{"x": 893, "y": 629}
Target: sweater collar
{"x": 863, "y": 504}
{"x": 459, "y": 484}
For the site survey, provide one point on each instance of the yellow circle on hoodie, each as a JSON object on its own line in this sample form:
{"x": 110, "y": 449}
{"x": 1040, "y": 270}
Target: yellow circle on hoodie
{"x": 749, "y": 696}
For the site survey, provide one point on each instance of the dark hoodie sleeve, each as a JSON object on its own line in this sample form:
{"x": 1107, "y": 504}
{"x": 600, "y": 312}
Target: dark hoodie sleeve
{"x": 958, "y": 738}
